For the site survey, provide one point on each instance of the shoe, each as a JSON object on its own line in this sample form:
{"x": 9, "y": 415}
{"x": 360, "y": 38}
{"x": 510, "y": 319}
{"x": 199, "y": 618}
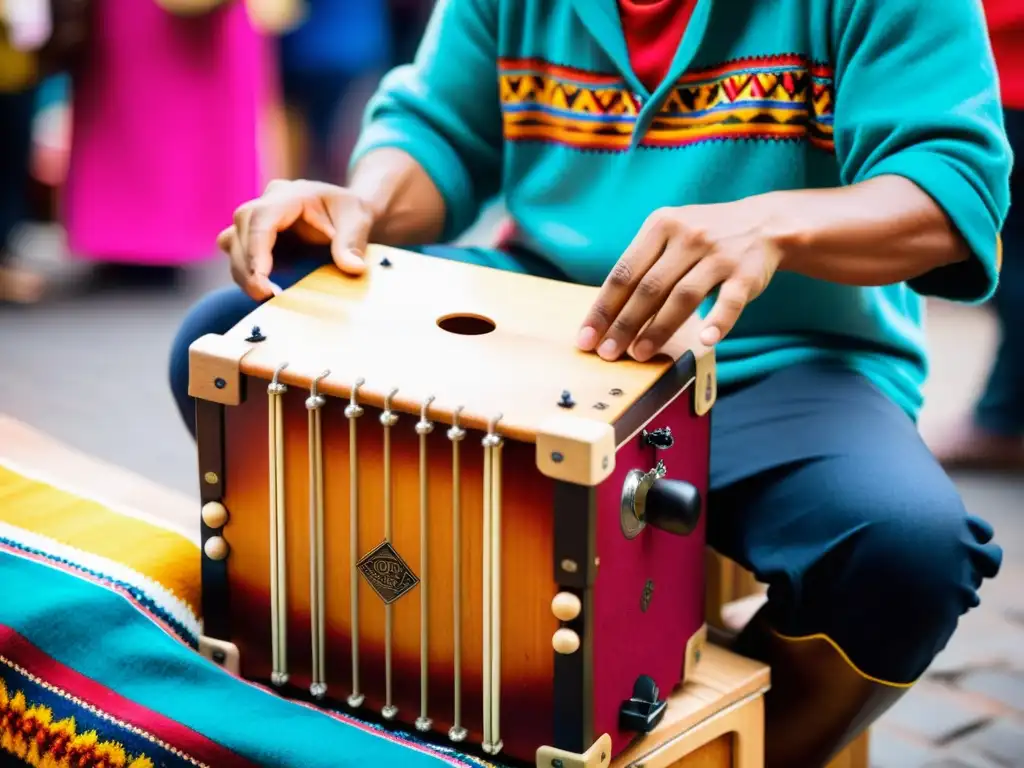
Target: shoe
{"x": 818, "y": 702}
{"x": 21, "y": 286}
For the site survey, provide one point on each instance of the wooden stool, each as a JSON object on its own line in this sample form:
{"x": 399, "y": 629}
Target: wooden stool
{"x": 733, "y": 596}
{"x": 714, "y": 721}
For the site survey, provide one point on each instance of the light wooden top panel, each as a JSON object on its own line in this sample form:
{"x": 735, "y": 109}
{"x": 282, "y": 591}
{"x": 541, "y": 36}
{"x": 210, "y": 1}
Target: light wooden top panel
{"x": 383, "y": 327}
{"x": 721, "y": 680}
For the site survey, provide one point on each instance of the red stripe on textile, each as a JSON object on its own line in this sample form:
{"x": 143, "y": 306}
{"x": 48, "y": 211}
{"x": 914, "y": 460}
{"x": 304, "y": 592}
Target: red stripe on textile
{"x": 17, "y": 648}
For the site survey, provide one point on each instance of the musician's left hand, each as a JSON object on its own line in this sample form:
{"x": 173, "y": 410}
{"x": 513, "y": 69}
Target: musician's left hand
{"x": 676, "y": 260}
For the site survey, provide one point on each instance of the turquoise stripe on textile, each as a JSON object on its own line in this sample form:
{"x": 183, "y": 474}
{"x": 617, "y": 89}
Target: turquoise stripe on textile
{"x": 100, "y": 634}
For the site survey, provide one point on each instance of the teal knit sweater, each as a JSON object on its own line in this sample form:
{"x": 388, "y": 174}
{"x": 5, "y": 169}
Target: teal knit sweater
{"x": 536, "y": 101}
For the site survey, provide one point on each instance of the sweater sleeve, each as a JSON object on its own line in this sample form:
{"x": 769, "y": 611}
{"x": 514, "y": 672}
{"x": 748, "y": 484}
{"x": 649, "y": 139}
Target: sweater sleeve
{"x": 917, "y": 96}
{"x": 444, "y": 111}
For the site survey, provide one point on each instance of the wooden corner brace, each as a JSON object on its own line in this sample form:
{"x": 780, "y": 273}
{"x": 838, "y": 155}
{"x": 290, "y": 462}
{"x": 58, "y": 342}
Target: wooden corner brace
{"x": 214, "y": 363}
{"x": 598, "y": 756}
{"x": 576, "y": 450}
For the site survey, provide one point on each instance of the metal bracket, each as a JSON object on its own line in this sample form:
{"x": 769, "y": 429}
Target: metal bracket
{"x": 221, "y": 653}
{"x": 598, "y": 756}
{"x": 694, "y": 651}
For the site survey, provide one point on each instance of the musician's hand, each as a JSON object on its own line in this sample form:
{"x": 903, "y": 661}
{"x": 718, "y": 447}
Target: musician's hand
{"x": 676, "y": 260}
{"x": 319, "y": 213}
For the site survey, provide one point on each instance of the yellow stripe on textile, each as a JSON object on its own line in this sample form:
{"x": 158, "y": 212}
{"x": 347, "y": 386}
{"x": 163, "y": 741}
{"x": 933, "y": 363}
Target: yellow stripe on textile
{"x": 161, "y": 555}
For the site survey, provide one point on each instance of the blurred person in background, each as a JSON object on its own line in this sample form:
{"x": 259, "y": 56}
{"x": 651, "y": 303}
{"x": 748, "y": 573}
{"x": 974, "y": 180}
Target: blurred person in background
{"x": 991, "y": 437}
{"x": 17, "y": 109}
{"x": 168, "y": 114}
{"x": 37, "y": 38}
{"x": 409, "y": 20}
{"x": 330, "y": 65}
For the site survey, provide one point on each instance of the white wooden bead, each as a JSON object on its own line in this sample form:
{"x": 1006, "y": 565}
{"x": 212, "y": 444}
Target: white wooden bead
{"x": 565, "y": 642}
{"x": 216, "y": 548}
{"x": 214, "y": 514}
{"x": 566, "y": 606}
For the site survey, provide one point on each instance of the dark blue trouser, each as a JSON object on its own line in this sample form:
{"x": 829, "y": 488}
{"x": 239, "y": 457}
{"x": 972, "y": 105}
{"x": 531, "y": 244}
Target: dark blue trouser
{"x": 1001, "y": 408}
{"x": 819, "y": 485}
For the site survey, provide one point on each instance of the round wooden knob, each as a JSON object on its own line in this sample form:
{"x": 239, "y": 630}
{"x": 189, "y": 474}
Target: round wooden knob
{"x": 216, "y": 548}
{"x": 566, "y": 606}
{"x": 215, "y": 514}
{"x": 565, "y": 642}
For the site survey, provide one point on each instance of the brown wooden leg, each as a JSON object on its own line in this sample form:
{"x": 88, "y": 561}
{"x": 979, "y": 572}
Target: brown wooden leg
{"x": 857, "y": 755}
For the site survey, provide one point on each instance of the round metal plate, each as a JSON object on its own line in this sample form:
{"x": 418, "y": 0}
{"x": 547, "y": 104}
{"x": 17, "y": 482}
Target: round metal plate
{"x": 628, "y": 517}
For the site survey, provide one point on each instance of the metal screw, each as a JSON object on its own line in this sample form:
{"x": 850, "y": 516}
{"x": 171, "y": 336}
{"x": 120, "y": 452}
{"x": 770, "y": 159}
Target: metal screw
{"x": 569, "y": 566}
{"x": 615, "y": 392}
{"x": 645, "y": 597}
{"x": 557, "y": 457}
{"x": 219, "y": 383}
{"x": 600, "y": 406}
{"x": 557, "y": 763}
{"x": 211, "y": 478}
{"x": 219, "y": 656}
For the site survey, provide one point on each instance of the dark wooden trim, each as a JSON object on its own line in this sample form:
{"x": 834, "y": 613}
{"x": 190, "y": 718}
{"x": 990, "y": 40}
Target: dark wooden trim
{"x": 664, "y": 389}
{"x": 575, "y": 521}
{"x": 214, "y": 573}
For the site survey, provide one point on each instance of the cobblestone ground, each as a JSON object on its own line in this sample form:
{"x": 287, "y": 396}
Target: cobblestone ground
{"x": 89, "y": 367}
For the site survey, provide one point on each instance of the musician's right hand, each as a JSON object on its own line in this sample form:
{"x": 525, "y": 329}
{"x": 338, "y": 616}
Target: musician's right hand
{"x": 317, "y": 212}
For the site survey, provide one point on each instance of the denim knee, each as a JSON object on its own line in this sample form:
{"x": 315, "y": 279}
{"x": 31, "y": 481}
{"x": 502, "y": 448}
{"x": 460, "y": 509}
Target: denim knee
{"x": 910, "y": 571}
{"x": 217, "y": 312}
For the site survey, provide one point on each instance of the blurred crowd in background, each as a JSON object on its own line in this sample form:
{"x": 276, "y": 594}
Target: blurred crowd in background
{"x": 137, "y": 127}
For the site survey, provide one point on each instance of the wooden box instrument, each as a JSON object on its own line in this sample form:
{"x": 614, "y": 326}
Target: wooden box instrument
{"x": 422, "y": 502}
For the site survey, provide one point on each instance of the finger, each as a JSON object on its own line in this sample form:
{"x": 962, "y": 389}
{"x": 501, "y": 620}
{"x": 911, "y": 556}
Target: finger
{"x": 733, "y": 297}
{"x": 255, "y": 232}
{"x": 242, "y": 215}
{"x": 224, "y": 240}
{"x": 314, "y": 226}
{"x": 262, "y": 223}
{"x": 647, "y": 298}
{"x": 352, "y": 224}
{"x": 683, "y": 300}
{"x": 642, "y": 252}
{"x": 254, "y": 287}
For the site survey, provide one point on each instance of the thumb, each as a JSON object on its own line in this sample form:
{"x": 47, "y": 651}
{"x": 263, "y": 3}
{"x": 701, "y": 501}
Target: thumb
{"x": 352, "y": 225}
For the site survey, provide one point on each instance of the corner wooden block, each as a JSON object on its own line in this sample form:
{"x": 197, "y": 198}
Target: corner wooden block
{"x": 214, "y": 363}
{"x": 705, "y": 385}
{"x": 576, "y": 450}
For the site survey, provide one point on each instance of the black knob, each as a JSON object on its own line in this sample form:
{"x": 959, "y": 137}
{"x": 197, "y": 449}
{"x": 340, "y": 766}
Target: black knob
{"x": 672, "y": 506}
{"x": 642, "y": 712}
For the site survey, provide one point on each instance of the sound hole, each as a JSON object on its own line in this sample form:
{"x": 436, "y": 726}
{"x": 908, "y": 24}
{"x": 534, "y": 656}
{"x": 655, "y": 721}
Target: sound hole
{"x": 466, "y": 325}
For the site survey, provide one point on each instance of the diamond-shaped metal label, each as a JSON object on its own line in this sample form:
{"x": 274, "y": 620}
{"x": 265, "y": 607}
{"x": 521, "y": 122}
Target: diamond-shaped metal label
{"x": 387, "y": 573}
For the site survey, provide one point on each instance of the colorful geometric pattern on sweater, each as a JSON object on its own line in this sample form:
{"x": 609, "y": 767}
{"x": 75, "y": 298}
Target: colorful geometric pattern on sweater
{"x": 780, "y": 98}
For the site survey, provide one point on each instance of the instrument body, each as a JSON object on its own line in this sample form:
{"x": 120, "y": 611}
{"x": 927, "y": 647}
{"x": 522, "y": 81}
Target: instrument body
{"x": 459, "y": 563}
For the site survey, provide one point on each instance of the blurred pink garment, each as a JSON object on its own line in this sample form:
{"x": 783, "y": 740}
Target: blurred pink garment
{"x": 166, "y": 133}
